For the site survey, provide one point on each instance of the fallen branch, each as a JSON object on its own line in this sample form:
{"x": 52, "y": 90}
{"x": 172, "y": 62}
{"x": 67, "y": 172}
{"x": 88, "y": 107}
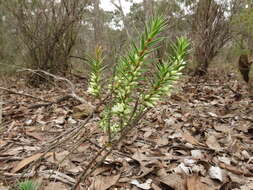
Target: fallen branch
{"x": 23, "y": 94}
{"x": 59, "y": 100}
{"x": 46, "y": 102}
{"x": 48, "y": 174}
{"x": 68, "y": 82}
{"x": 78, "y": 57}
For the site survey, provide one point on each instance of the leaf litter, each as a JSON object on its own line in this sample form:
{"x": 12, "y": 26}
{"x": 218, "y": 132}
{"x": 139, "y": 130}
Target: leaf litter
{"x": 199, "y": 138}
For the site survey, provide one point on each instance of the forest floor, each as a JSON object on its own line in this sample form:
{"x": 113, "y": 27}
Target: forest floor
{"x": 199, "y": 138}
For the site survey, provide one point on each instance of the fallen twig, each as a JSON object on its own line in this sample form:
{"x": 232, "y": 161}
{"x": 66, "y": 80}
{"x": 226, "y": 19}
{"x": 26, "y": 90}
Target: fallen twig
{"x": 49, "y": 174}
{"x": 68, "y": 82}
{"x": 23, "y": 94}
{"x": 59, "y": 100}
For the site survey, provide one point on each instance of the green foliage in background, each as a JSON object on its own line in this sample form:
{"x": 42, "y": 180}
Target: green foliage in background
{"x": 242, "y": 26}
{"x": 244, "y": 21}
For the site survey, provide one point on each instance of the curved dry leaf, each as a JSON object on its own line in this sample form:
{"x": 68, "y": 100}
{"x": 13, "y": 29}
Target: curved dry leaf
{"x": 27, "y": 161}
{"x": 37, "y": 136}
{"x": 247, "y": 186}
{"x": 147, "y": 163}
{"x": 190, "y": 139}
{"x": 104, "y": 182}
{"x": 194, "y": 183}
{"x": 55, "y": 186}
{"x": 155, "y": 187}
{"x": 212, "y": 143}
{"x": 229, "y": 185}
{"x": 172, "y": 180}
{"x": 236, "y": 170}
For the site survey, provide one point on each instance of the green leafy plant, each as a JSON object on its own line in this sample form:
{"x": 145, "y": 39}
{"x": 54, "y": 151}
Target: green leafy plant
{"x": 97, "y": 67}
{"x": 131, "y": 92}
{"x": 28, "y": 185}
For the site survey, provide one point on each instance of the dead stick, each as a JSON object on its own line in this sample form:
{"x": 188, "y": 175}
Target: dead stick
{"x": 58, "y": 78}
{"x": 59, "y": 100}
{"x": 23, "y": 94}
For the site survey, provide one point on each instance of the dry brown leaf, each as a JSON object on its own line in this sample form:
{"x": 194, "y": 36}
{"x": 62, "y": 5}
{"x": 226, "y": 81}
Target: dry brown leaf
{"x": 247, "y": 186}
{"x": 104, "y": 182}
{"x": 4, "y": 188}
{"x": 100, "y": 170}
{"x": 82, "y": 111}
{"x": 230, "y": 185}
{"x": 13, "y": 151}
{"x": 194, "y": 183}
{"x": 60, "y": 120}
{"x": 235, "y": 170}
{"x": 148, "y": 131}
{"x": 174, "y": 181}
{"x": 147, "y": 163}
{"x": 212, "y": 143}
{"x": 27, "y": 161}
{"x": 222, "y": 128}
{"x": 2, "y": 143}
{"x": 162, "y": 141}
{"x": 35, "y": 135}
{"x": 62, "y": 159}
{"x": 55, "y": 186}
{"x": 155, "y": 187}
{"x": 235, "y": 146}
{"x": 190, "y": 139}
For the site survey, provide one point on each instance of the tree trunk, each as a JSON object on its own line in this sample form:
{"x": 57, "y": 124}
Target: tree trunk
{"x": 148, "y": 9}
{"x": 126, "y": 25}
{"x": 97, "y": 25}
{"x": 210, "y": 32}
{"x": 202, "y": 69}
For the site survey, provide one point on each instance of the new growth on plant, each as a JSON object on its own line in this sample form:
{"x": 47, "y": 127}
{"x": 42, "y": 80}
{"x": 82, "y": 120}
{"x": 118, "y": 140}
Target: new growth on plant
{"x": 167, "y": 72}
{"x": 131, "y": 96}
{"x": 97, "y": 67}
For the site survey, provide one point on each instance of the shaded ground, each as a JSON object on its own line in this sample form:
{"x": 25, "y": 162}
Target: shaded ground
{"x": 199, "y": 138}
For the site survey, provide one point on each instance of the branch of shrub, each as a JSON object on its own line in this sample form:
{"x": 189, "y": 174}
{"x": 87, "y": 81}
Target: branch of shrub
{"x": 123, "y": 112}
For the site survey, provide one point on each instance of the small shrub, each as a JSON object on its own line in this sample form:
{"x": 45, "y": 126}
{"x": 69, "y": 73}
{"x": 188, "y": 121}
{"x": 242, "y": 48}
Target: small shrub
{"x": 48, "y": 31}
{"x": 132, "y": 91}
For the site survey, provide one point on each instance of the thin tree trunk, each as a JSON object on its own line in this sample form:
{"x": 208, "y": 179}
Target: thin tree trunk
{"x": 97, "y": 25}
{"x": 148, "y": 9}
{"x": 126, "y": 25}
{"x": 202, "y": 61}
